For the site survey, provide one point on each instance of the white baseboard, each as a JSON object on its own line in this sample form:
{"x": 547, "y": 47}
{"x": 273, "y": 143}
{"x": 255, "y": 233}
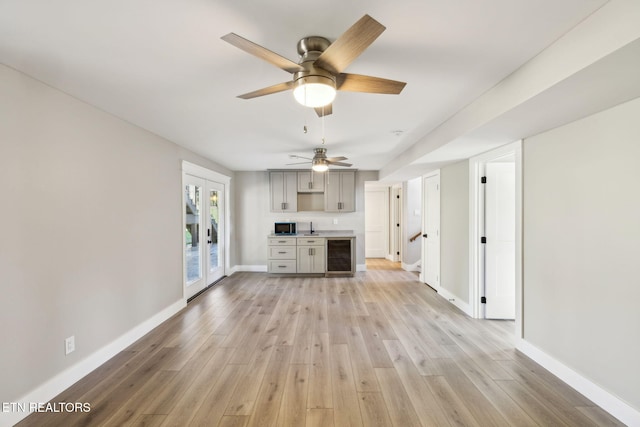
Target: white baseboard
{"x": 601, "y": 397}
{"x": 453, "y": 299}
{"x": 249, "y": 268}
{"x": 71, "y": 375}
{"x": 263, "y": 268}
{"x": 411, "y": 267}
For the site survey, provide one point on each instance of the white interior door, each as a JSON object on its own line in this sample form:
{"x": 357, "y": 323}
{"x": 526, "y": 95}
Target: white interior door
{"x": 500, "y": 249}
{"x": 396, "y": 224}
{"x": 376, "y": 220}
{"x": 204, "y": 233}
{"x": 431, "y": 230}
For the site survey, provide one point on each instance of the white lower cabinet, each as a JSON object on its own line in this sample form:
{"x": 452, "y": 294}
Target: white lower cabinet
{"x": 310, "y": 255}
{"x": 304, "y": 255}
{"x": 282, "y": 255}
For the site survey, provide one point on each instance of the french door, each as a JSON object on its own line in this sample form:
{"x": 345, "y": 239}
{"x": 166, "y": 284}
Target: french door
{"x": 204, "y": 233}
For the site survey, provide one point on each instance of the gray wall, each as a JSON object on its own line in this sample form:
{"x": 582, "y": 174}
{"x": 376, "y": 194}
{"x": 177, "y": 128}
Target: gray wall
{"x": 254, "y": 221}
{"x": 91, "y": 226}
{"x": 581, "y": 256}
{"x": 454, "y": 229}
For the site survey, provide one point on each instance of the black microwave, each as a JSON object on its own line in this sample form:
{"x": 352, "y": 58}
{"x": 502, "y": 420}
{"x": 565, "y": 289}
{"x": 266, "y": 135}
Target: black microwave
{"x": 284, "y": 228}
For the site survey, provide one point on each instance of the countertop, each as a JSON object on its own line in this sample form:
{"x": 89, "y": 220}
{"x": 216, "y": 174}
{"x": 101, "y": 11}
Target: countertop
{"x": 318, "y": 233}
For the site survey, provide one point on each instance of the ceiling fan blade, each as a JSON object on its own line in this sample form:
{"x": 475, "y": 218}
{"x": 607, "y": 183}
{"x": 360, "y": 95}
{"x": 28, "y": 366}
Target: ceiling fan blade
{"x": 295, "y": 156}
{"x": 299, "y": 163}
{"x": 262, "y": 53}
{"x": 360, "y": 83}
{"x": 340, "y": 164}
{"x": 324, "y": 111}
{"x": 336, "y": 159}
{"x": 280, "y": 87}
{"x": 350, "y": 45}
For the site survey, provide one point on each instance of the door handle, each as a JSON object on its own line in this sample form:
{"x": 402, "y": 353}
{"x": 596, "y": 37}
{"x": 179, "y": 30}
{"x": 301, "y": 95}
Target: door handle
{"x": 424, "y": 235}
{"x": 209, "y": 241}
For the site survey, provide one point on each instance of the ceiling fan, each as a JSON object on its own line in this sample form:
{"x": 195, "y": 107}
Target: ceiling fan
{"x": 320, "y": 162}
{"x": 320, "y": 71}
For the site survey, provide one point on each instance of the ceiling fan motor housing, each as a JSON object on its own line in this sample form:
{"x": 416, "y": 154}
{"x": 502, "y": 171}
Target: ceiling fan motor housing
{"x": 310, "y": 48}
{"x": 319, "y": 162}
{"x": 313, "y": 44}
{"x": 320, "y": 153}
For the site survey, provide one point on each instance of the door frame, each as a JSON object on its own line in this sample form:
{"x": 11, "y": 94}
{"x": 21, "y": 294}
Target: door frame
{"x": 190, "y": 169}
{"x": 476, "y": 225}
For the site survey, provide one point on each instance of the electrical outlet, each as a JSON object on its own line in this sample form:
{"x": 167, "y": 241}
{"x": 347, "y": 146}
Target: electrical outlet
{"x": 335, "y": 221}
{"x": 69, "y": 344}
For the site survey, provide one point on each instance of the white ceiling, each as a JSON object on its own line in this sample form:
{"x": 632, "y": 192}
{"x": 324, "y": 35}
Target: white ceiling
{"x": 162, "y": 66}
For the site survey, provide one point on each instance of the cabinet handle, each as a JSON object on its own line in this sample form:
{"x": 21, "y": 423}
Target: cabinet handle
{"x": 309, "y": 251}
{"x": 310, "y": 185}
{"x": 282, "y": 241}
{"x": 282, "y": 252}
{"x": 282, "y": 266}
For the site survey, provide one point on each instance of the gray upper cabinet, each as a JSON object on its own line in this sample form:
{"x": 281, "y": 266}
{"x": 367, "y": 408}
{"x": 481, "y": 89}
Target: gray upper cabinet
{"x": 284, "y": 191}
{"x": 310, "y": 182}
{"x": 340, "y": 191}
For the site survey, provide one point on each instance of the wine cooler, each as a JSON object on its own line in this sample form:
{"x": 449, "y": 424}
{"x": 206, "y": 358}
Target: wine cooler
{"x": 341, "y": 256}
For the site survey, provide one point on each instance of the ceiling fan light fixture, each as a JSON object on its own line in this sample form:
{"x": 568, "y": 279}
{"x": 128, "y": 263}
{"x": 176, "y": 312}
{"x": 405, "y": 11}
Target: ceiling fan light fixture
{"x": 315, "y": 91}
{"x": 319, "y": 165}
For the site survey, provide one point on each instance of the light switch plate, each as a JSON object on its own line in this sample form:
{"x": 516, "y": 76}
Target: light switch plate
{"x": 69, "y": 344}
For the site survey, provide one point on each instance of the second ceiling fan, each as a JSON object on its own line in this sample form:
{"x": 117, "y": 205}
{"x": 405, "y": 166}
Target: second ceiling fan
{"x": 320, "y": 162}
{"x": 320, "y": 71}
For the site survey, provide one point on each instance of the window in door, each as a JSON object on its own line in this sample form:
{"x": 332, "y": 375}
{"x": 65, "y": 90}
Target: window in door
{"x": 193, "y": 270}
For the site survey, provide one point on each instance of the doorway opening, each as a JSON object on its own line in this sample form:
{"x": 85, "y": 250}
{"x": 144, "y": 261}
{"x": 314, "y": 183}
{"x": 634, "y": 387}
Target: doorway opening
{"x": 496, "y": 234}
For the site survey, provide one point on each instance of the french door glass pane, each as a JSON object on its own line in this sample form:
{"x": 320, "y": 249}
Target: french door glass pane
{"x": 214, "y": 216}
{"x": 192, "y": 232}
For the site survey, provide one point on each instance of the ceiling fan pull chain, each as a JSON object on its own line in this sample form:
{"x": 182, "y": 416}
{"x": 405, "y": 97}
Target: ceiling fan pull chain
{"x": 323, "y": 125}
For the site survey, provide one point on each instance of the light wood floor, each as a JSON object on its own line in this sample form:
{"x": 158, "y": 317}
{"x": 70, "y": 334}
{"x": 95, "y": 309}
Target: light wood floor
{"x": 382, "y": 264}
{"x": 379, "y": 349}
